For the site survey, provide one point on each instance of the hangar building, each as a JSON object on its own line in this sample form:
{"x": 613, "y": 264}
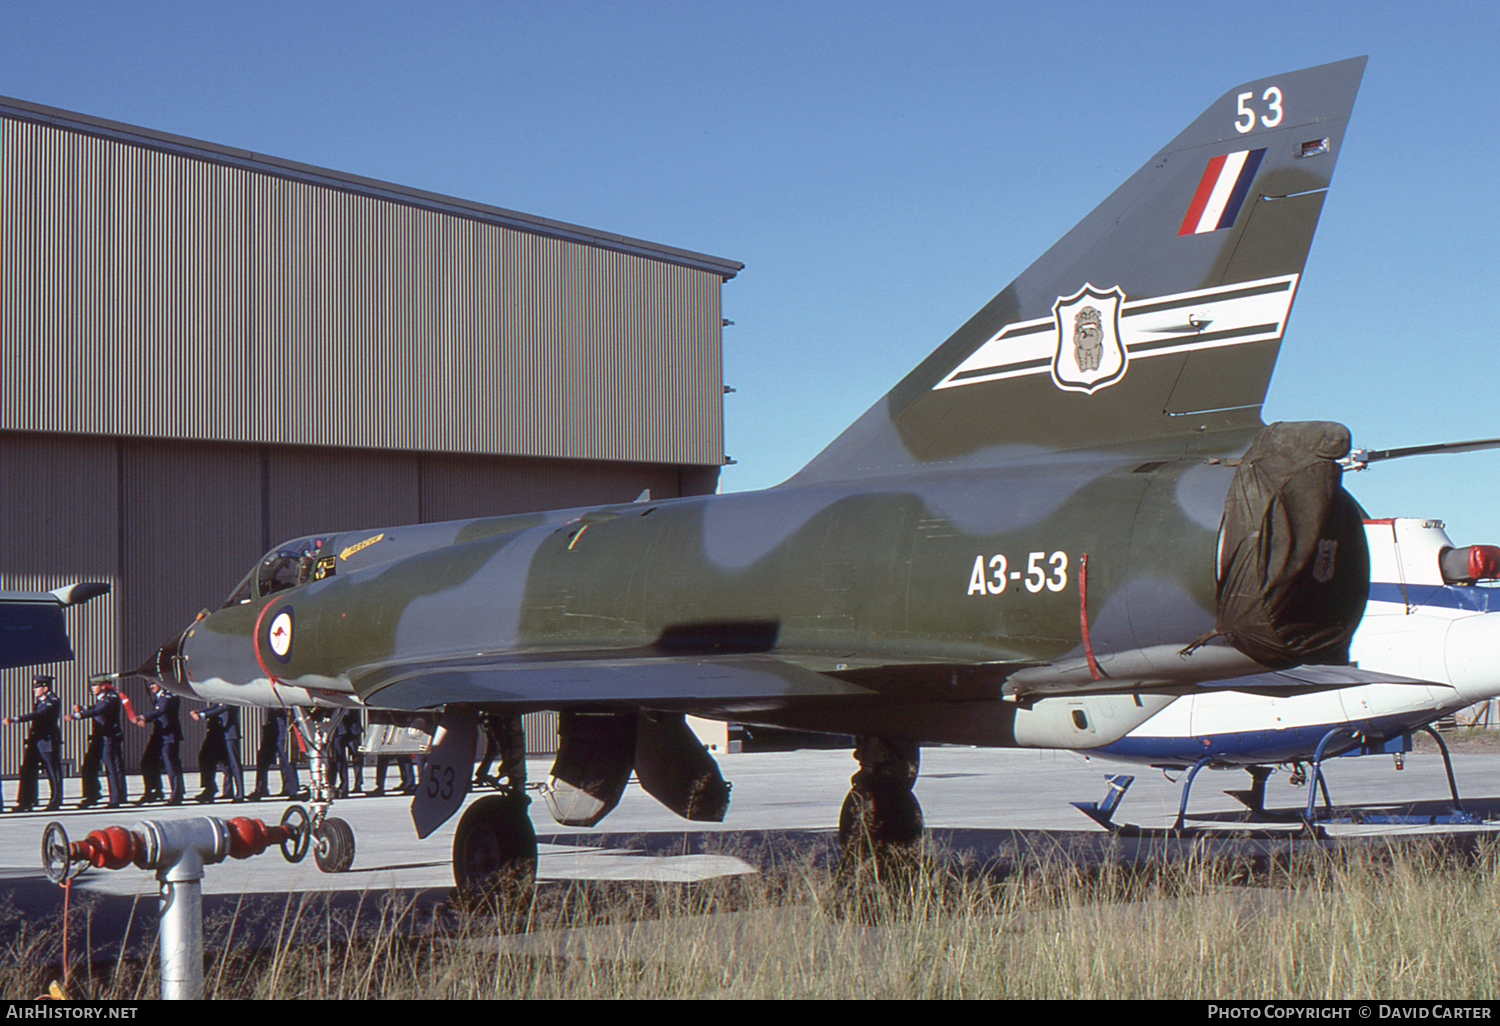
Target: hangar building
{"x": 208, "y": 351}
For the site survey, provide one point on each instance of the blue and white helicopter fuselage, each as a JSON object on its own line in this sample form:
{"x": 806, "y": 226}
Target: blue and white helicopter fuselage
{"x": 1428, "y": 619}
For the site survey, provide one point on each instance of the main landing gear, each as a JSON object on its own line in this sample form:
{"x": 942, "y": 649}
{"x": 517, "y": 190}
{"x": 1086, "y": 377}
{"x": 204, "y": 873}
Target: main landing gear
{"x": 494, "y": 853}
{"x": 494, "y": 846}
{"x": 880, "y": 824}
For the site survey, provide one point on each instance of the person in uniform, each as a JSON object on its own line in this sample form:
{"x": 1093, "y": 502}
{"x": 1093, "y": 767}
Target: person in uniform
{"x": 404, "y": 765}
{"x": 346, "y": 756}
{"x": 163, "y": 748}
{"x": 505, "y": 739}
{"x": 106, "y": 746}
{"x": 491, "y": 750}
{"x": 274, "y": 750}
{"x": 221, "y": 749}
{"x": 43, "y": 746}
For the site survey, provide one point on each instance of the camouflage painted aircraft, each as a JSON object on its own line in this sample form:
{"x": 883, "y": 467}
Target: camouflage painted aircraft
{"x": 1066, "y": 515}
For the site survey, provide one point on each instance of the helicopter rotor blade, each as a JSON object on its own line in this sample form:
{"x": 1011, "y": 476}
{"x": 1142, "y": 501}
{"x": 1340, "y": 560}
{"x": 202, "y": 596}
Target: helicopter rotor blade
{"x": 1360, "y": 458}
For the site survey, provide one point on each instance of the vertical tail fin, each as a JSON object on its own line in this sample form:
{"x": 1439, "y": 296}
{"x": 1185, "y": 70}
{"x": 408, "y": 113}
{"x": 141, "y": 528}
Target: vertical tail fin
{"x": 1158, "y": 318}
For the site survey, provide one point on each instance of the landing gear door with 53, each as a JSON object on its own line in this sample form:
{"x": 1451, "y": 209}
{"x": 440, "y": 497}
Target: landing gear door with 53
{"x": 446, "y": 775}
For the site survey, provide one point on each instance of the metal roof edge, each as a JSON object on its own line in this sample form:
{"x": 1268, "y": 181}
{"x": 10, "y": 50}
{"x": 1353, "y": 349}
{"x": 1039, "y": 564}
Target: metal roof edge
{"x": 248, "y": 160}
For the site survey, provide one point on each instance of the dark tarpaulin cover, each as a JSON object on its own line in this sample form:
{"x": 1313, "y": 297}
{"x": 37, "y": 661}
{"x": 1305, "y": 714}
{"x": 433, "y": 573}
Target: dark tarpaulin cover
{"x": 1294, "y": 568}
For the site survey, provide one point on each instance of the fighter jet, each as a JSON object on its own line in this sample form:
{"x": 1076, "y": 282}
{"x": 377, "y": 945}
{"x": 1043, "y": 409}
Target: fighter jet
{"x": 1433, "y": 617}
{"x": 1069, "y": 513}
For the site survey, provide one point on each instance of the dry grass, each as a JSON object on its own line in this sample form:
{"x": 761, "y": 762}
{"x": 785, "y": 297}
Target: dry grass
{"x": 1388, "y": 922}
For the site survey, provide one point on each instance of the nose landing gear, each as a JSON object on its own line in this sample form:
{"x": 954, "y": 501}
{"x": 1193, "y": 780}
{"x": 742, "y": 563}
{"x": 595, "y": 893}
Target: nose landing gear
{"x": 332, "y": 838}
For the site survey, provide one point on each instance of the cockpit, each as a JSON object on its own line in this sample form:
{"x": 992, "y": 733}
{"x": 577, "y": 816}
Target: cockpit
{"x": 286, "y": 566}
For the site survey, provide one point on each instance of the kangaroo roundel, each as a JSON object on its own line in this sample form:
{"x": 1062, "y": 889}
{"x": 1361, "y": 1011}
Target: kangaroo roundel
{"x": 1089, "y": 353}
{"x": 280, "y": 634}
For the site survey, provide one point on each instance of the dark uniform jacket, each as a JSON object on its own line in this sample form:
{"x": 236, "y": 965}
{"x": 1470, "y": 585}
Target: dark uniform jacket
{"x": 224, "y": 719}
{"x": 43, "y": 719}
{"x": 164, "y": 718}
{"x": 106, "y": 715}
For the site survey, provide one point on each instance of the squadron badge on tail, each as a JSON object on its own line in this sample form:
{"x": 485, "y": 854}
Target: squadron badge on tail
{"x": 1089, "y": 354}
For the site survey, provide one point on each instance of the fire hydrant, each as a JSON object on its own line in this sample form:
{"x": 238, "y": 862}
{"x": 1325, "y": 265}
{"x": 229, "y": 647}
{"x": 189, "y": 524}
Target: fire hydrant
{"x": 178, "y": 850}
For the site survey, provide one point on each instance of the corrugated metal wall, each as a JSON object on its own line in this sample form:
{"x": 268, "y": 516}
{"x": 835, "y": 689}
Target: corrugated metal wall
{"x": 170, "y": 296}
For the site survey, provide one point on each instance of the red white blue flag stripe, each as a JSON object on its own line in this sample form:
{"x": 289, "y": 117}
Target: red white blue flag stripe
{"x": 1221, "y": 191}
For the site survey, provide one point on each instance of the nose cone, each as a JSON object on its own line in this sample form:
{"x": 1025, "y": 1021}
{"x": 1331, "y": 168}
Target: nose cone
{"x": 166, "y": 668}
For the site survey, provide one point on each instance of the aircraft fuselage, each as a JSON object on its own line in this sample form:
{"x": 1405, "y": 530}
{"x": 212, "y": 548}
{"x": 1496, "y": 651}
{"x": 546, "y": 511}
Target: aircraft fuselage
{"x": 947, "y": 573}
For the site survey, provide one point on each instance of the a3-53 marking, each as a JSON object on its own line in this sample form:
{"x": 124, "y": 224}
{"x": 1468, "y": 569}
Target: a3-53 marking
{"x": 992, "y": 574}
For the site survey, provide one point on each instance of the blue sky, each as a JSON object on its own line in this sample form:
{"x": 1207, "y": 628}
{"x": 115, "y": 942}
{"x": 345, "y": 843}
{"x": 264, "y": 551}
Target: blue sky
{"x": 882, "y": 169}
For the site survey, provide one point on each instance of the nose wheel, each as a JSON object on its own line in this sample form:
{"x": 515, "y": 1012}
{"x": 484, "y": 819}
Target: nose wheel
{"x": 333, "y": 845}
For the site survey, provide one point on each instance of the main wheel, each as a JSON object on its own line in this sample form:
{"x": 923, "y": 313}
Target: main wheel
{"x": 880, "y": 850}
{"x": 879, "y": 815}
{"x": 333, "y": 845}
{"x": 494, "y": 853}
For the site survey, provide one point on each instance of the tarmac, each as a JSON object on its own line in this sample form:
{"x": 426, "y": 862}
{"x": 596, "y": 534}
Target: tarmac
{"x": 986, "y": 806}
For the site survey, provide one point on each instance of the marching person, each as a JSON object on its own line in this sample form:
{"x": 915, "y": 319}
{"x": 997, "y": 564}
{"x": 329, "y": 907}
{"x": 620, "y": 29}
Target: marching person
{"x": 404, "y": 765}
{"x": 106, "y": 745}
{"x": 505, "y": 739}
{"x": 274, "y": 750}
{"x": 347, "y": 734}
{"x": 221, "y": 748}
{"x": 488, "y": 729}
{"x": 164, "y": 747}
{"x": 43, "y": 746}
